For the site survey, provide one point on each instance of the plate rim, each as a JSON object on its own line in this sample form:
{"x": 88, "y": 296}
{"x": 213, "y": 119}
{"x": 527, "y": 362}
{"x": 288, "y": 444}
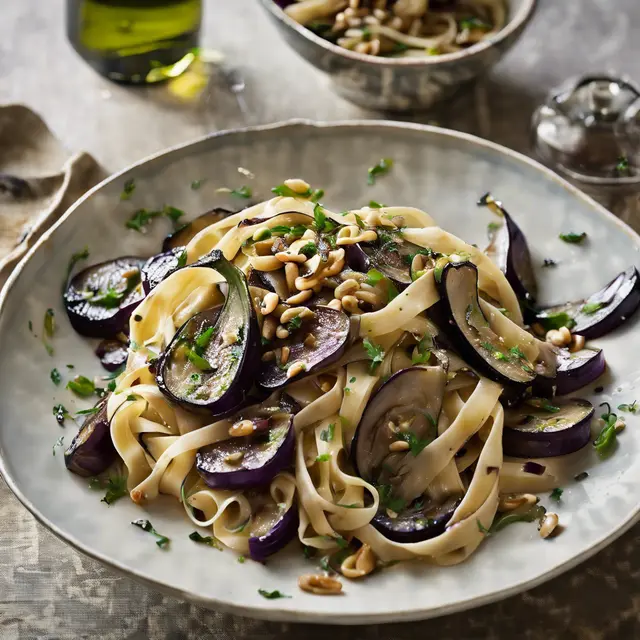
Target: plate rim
{"x": 275, "y": 613}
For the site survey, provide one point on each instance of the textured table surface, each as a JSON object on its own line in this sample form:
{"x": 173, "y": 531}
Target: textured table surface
{"x": 47, "y": 590}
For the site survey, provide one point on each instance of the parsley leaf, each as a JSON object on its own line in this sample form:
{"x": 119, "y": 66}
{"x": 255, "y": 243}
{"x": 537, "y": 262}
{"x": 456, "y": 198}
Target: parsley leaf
{"x": 388, "y": 500}
{"x": 60, "y": 413}
{"x": 317, "y": 195}
{"x": 55, "y": 377}
{"x": 415, "y": 444}
{"x": 145, "y": 525}
{"x": 326, "y": 435}
{"x": 272, "y": 595}
{"x": 128, "y": 189}
{"x": 631, "y": 408}
{"x": 210, "y": 541}
{"x": 58, "y": 443}
{"x": 608, "y": 435}
{"x": 325, "y": 457}
{"x": 556, "y": 320}
{"x": 376, "y": 205}
{"x": 116, "y": 487}
{"x": 321, "y": 223}
{"x": 182, "y": 259}
{"x": 309, "y": 250}
{"x": 622, "y": 167}
{"x": 294, "y": 323}
{"x": 82, "y": 386}
{"x": 243, "y": 192}
{"x": 483, "y": 529}
{"x": 375, "y": 353}
{"x": 283, "y": 190}
{"x": 556, "y": 494}
{"x": 196, "y": 184}
{"x": 591, "y": 307}
{"x": 142, "y": 217}
{"x": 573, "y": 238}
{"x": 548, "y": 262}
{"x": 88, "y": 412}
{"x": 381, "y": 168}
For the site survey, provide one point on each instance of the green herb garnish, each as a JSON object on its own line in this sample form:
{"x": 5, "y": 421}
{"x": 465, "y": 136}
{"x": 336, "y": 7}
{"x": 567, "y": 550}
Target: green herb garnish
{"x": 317, "y": 195}
{"x": 210, "y": 541}
{"x": 556, "y": 321}
{"x": 326, "y": 435}
{"x": 60, "y": 413}
{"x": 573, "y": 238}
{"x": 242, "y": 192}
{"x": 75, "y": 258}
{"x": 536, "y": 512}
{"x": 145, "y": 525}
{"x": 591, "y": 307}
{"x": 631, "y": 408}
{"x": 196, "y": 184}
{"x": 492, "y": 227}
{"x": 58, "y": 443}
{"x": 49, "y": 323}
{"x": 608, "y": 435}
{"x": 142, "y": 217}
{"x": 474, "y": 23}
{"x": 375, "y": 353}
{"x": 116, "y": 488}
{"x": 294, "y": 324}
{"x": 128, "y": 189}
{"x": 82, "y": 386}
{"x": 415, "y": 444}
{"x": 379, "y": 169}
{"x": 556, "y": 494}
{"x": 56, "y": 378}
{"x": 203, "y": 339}
{"x": 197, "y": 360}
{"x": 309, "y": 250}
{"x": 622, "y": 167}
{"x": 320, "y": 221}
{"x": 376, "y": 205}
{"x": 483, "y": 529}
{"x": 182, "y": 259}
{"x": 272, "y": 595}
{"x": 283, "y": 190}
{"x": 387, "y": 499}
{"x": 88, "y": 412}
{"x": 325, "y": 457}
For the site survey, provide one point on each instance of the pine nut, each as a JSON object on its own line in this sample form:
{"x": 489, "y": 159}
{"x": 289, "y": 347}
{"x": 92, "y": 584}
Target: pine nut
{"x": 349, "y": 12}
{"x": 320, "y": 585}
{"x": 398, "y": 221}
{"x": 548, "y": 525}
{"x": 619, "y": 425}
{"x": 269, "y": 303}
{"x": 555, "y": 338}
{"x": 326, "y": 387}
{"x": 335, "y": 304}
{"x": 350, "y": 304}
{"x": 359, "y": 564}
{"x": 354, "y": 4}
{"x": 392, "y": 514}
{"x": 269, "y": 327}
{"x": 368, "y": 297}
{"x": 234, "y": 458}
{"x": 577, "y": 343}
{"x": 310, "y": 341}
{"x": 381, "y": 14}
{"x": 299, "y": 298}
{"x": 287, "y": 256}
{"x": 297, "y": 185}
{"x": 395, "y": 23}
{"x": 347, "y": 287}
{"x": 284, "y": 354}
{"x": 398, "y": 445}
{"x": 566, "y": 334}
{"x": 229, "y": 338}
{"x": 371, "y": 20}
{"x": 509, "y": 503}
{"x": 268, "y": 356}
{"x": 282, "y": 333}
{"x": 296, "y": 369}
{"x": 293, "y": 312}
{"x": 354, "y": 33}
{"x": 242, "y": 428}
{"x": 291, "y": 272}
{"x": 374, "y": 49}
{"x": 354, "y": 22}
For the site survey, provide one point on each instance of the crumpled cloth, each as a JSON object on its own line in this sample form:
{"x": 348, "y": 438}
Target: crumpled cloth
{"x": 39, "y": 181}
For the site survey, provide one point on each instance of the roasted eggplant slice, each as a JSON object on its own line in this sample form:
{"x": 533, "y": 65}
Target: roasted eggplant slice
{"x": 91, "y": 451}
{"x": 186, "y": 233}
{"x": 100, "y": 299}
{"x": 157, "y": 268}
{"x": 273, "y": 531}
{"x": 113, "y": 354}
{"x": 330, "y": 331}
{"x": 248, "y": 461}
{"x": 459, "y": 314}
{"x": 575, "y": 370}
{"x": 599, "y": 314}
{"x": 211, "y": 360}
{"x": 509, "y": 250}
{"x": 419, "y": 521}
{"x": 542, "y": 428}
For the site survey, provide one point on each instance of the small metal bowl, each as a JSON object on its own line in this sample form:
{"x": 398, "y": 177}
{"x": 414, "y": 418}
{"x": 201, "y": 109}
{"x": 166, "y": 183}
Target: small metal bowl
{"x": 401, "y": 84}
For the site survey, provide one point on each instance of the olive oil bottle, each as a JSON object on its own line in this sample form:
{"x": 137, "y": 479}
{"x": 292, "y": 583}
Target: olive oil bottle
{"x": 135, "y": 41}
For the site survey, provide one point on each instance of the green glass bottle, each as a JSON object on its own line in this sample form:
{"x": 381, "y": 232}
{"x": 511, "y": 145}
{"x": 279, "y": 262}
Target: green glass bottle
{"x": 135, "y": 41}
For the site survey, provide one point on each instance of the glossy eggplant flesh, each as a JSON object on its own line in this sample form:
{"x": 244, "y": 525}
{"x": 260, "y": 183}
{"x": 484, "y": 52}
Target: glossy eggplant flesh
{"x": 272, "y": 526}
{"x": 421, "y": 520}
{"x": 91, "y": 451}
{"x": 509, "y": 250}
{"x": 600, "y": 313}
{"x": 183, "y": 236}
{"x": 251, "y": 460}
{"x": 330, "y": 330}
{"x": 100, "y": 299}
{"x": 406, "y": 408}
{"x": 158, "y": 267}
{"x": 460, "y": 315}
{"x": 112, "y": 354}
{"x": 544, "y": 428}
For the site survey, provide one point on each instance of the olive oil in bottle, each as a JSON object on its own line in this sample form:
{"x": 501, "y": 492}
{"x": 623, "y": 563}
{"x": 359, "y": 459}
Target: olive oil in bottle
{"x": 135, "y": 41}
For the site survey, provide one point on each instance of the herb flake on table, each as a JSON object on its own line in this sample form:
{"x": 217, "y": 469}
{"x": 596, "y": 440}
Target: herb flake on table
{"x": 82, "y": 386}
{"x": 272, "y": 595}
{"x": 128, "y": 189}
{"x": 556, "y": 494}
{"x": 210, "y": 541}
{"x": 196, "y": 184}
{"x": 573, "y": 238}
{"x": 548, "y": 262}
{"x": 115, "y": 486}
{"x": 49, "y": 329}
{"x": 58, "y": 443}
{"x": 142, "y": 217}
{"x": 631, "y": 408}
{"x": 380, "y": 169}
{"x": 55, "y": 376}
{"x": 242, "y": 192}
{"x": 606, "y": 439}
{"x": 60, "y": 413}
{"x": 145, "y": 525}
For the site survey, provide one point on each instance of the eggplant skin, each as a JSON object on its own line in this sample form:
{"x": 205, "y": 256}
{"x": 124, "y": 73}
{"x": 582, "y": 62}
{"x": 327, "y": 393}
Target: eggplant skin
{"x": 158, "y": 267}
{"x": 575, "y": 370}
{"x": 91, "y": 451}
{"x": 285, "y": 530}
{"x": 186, "y": 233}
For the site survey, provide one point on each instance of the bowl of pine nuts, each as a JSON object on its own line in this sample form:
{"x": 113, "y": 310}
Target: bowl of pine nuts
{"x": 401, "y": 55}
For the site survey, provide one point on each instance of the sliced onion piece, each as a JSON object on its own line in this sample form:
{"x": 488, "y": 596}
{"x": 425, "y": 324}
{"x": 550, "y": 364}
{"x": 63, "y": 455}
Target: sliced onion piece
{"x": 100, "y": 299}
{"x": 91, "y": 451}
{"x": 544, "y": 428}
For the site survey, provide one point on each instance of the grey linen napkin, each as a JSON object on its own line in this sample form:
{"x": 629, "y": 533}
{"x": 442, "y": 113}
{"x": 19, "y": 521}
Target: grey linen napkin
{"x": 39, "y": 181}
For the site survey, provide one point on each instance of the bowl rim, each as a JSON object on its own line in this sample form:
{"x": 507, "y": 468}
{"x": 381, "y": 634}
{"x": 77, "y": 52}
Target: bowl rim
{"x": 278, "y": 613}
{"x": 522, "y": 17}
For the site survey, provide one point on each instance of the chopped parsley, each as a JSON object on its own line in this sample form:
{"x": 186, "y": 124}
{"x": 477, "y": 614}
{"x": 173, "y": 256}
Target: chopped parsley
{"x": 375, "y": 353}
{"x": 536, "y": 512}
{"x": 376, "y": 205}
{"x": 242, "y": 192}
{"x": 556, "y": 320}
{"x": 543, "y": 403}
{"x": 128, "y": 189}
{"x": 197, "y": 360}
{"x": 517, "y": 353}
{"x": 548, "y": 262}
{"x": 492, "y": 227}
{"x": 474, "y": 23}
{"x": 210, "y": 541}
{"x": 142, "y": 217}
{"x": 283, "y": 190}
{"x": 359, "y": 221}
{"x": 556, "y": 494}
{"x": 347, "y": 391}
{"x": 317, "y": 195}
{"x": 58, "y": 443}
{"x": 272, "y": 595}
{"x": 82, "y": 386}
{"x": 422, "y": 353}
{"x": 75, "y": 258}
{"x": 352, "y": 379}
{"x": 381, "y": 168}
{"x": 309, "y": 250}
{"x": 416, "y": 445}
{"x": 294, "y": 324}
{"x": 182, "y": 259}
{"x": 325, "y": 457}
{"x": 60, "y": 413}
{"x": 388, "y": 500}
{"x": 326, "y": 435}
{"x": 573, "y": 238}
{"x": 591, "y": 307}
{"x": 631, "y": 408}
{"x": 145, "y": 525}
{"x": 116, "y": 488}
{"x": 320, "y": 221}
{"x": 196, "y": 184}
{"x": 203, "y": 339}
{"x": 49, "y": 328}
{"x": 607, "y": 436}
{"x": 622, "y": 167}
{"x": 88, "y": 412}
{"x": 56, "y": 378}
{"x": 483, "y": 529}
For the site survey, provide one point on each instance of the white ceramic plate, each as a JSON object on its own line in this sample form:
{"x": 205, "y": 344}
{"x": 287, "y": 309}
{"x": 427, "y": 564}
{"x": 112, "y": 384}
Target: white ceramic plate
{"x": 440, "y": 171}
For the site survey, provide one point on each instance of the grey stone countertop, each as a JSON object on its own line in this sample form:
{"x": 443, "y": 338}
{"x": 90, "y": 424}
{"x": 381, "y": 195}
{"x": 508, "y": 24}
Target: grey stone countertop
{"x": 47, "y": 590}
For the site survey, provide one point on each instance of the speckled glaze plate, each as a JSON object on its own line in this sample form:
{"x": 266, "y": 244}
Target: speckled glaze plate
{"x": 441, "y": 171}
